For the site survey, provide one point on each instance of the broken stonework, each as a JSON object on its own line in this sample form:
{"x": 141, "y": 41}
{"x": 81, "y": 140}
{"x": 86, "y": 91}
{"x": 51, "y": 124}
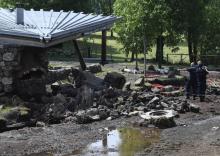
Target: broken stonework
{"x": 7, "y": 81}
{"x": 23, "y": 70}
{"x": 9, "y": 56}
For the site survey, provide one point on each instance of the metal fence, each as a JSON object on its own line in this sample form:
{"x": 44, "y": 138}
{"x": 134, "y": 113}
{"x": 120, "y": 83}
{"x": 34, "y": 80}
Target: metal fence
{"x": 184, "y": 58}
{"x": 177, "y": 58}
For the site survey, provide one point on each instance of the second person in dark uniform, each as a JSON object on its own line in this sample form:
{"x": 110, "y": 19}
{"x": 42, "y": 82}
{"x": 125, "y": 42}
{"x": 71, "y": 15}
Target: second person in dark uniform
{"x": 201, "y": 73}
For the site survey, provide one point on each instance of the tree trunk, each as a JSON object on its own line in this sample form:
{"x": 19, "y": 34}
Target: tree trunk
{"x": 112, "y": 33}
{"x": 162, "y": 46}
{"x": 190, "y": 46}
{"x": 159, "y": 50}
{"x": 195, "y": 51}
{"x": 136, "y": 67}
{"x": 132, "y": 57}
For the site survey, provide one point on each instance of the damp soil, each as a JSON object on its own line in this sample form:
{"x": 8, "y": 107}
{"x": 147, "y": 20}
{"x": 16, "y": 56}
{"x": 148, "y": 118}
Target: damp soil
{"x": 196, "y": 134}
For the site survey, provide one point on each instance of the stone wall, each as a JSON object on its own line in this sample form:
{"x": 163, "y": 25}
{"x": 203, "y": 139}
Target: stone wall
{"x": 21, "y": 67}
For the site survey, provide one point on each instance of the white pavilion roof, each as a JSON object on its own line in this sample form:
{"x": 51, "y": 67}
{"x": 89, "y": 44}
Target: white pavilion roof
{"x": 47, "y": 28}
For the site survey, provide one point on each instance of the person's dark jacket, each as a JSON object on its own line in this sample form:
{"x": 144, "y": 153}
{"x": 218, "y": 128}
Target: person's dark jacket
{"x": 191, "y": 83}
{"x": 201, "y": 74}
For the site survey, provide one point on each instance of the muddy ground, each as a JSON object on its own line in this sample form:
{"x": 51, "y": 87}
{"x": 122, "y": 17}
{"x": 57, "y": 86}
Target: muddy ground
{"x": 196, "y": 134}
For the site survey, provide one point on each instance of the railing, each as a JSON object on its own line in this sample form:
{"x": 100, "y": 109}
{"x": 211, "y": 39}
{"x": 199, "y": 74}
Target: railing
{"x": 184, "y": 58}
{"x": 210, "y": 59}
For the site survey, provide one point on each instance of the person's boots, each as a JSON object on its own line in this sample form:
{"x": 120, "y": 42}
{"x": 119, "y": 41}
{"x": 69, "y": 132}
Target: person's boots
{"x": 202, "y": 98}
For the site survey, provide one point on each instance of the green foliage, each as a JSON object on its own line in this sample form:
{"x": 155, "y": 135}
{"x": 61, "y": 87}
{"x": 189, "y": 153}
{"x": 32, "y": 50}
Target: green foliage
{"x": 211, "y": 35}
{"x": 143, "y": 17}
{"x": 102, "y": 6}
{"x": 66, "y": 5}
{"x": 140, "y": 17}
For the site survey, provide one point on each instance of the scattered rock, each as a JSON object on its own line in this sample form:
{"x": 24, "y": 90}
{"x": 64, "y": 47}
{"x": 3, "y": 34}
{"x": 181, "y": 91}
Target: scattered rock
{"x": 40, "y": 124}
{"x": 7, "y": 81}
{"x": 9, "y": 56}
{"x": 151, "y": 68}
{"x": 59, "y": 98}
{"x": 155, "y": 90}
{"x": 127, "y": 86}
{"x": 56, "y": 113}
{"x": 168, "y": 88}
{"x": 194, "y": 108}
{"x": 82, "y": 117}
{"x": 152, "y": 104}
{"x": 139, "y": 82}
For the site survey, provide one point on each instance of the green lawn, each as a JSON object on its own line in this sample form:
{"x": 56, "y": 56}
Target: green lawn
{"x": 113, "y": 50}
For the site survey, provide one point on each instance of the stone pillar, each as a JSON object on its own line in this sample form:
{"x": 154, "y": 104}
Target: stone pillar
{"x": 9, "y": 61}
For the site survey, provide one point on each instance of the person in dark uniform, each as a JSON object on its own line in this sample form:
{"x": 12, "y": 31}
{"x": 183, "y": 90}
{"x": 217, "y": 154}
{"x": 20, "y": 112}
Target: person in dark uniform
{"x": 191, "y": 84}
{"x": 201, "y": 73}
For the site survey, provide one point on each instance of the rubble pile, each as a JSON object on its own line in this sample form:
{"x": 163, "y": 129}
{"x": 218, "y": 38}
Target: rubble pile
{"x": 86, "y": 98}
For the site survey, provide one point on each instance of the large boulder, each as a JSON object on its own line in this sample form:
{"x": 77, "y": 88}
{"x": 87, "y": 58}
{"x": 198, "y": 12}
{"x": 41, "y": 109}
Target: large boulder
{"x": 57, "y": 75}
{"x": 161, "y": 118}
{"x": 115, "y": 80}
{"x": 65, "y": 89}
{"x": 55, "y": 113}
{"x": 86, "y": 78}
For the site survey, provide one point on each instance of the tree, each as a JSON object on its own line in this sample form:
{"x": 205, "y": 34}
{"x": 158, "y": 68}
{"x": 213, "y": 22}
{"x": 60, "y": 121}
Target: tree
{"x": 140, "y": 17}
{"x": 188, "y": 18}
{"x": 66, "y": 5}
{"x": 211, "y": 36}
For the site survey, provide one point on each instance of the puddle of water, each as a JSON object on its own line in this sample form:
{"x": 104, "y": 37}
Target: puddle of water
{"x": 123, "y": 142}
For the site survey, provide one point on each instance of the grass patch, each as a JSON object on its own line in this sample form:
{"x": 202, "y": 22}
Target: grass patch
{"x": 7, "y": 109}
{"x": 114, "y": 50}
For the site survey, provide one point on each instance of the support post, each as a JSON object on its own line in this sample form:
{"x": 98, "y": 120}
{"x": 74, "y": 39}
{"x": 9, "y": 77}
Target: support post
{"x": 136, "y": 66}
{"x": 145, "y": 51}
{"x": 103, "y": 55}
{"x": 81, "y": 60}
